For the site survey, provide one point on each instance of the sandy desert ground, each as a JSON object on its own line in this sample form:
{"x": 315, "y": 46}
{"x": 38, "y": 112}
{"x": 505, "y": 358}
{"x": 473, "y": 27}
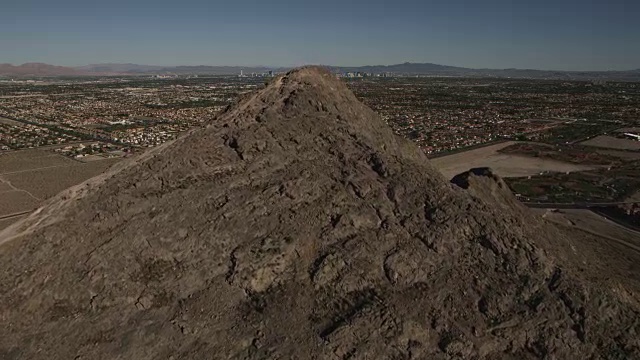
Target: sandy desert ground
{"x": 15, "y": 201}
{"x": 4, "y": 187}
{"x": 28, "y": 177}
{"x": 503, "y": 164}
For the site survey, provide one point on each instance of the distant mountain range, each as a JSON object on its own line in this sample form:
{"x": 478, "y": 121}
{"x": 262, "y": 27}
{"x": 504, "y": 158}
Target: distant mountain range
{"x": 38, "y": 69}
{"x": 135, "y": 69}
{"x": 424, "y": 69}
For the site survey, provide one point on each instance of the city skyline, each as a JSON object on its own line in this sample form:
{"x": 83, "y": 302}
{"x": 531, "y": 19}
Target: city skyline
{"x": 559, "y": 35}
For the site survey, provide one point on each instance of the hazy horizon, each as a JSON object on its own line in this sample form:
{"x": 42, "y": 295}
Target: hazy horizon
{"x": 310, "y": 64}
{"x": 544, "y": 35}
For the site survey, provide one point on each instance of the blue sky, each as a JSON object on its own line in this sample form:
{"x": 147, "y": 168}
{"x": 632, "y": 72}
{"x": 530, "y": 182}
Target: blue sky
{"x": 542, "y": 34}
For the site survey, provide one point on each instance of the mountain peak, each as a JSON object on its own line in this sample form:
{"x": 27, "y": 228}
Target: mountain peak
{"x": 296, "y": 225}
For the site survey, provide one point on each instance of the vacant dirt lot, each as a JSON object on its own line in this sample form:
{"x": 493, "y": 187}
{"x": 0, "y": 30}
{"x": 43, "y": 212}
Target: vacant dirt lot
{"x": 29, "y": 177}
{"x": 25, "y": 160}
{"x": 16, "y": 201}
{"x": 48, "y": 181}
{"x": 4, "y": 187}
{"x": 504, "y": 165}
{"x": 611, "y": 142}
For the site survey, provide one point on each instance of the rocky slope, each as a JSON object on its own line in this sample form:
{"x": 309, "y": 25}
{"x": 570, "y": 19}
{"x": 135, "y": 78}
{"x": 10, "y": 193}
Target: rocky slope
{"x": 296, "y": 225}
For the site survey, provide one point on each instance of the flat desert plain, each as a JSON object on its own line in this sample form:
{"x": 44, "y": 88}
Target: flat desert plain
{"x": 28, "y": 177}
{"x": 504, "y": 165}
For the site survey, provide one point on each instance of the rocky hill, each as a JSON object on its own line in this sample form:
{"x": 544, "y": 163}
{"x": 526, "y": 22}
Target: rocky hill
{"x": 296, "y": 225}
